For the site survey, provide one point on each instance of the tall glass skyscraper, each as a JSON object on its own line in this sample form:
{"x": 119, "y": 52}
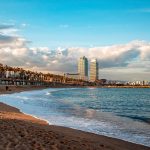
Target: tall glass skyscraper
{"x": 94, "y": 70}
{"x": 83, "y": 68}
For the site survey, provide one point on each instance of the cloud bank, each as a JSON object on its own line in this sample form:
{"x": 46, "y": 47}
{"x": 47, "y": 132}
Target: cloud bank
{"x": 128, "y": 61}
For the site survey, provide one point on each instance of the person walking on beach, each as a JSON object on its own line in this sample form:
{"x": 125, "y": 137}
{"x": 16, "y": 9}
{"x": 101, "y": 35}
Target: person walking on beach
{"x": 6, "y": 88}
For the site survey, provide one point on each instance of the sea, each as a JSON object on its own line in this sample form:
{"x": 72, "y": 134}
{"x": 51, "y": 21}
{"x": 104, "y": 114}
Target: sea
{"x": 122, "y": 113}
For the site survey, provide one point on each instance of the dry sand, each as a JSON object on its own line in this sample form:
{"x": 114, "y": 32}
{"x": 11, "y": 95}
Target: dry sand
{"x": 23, "y": 132}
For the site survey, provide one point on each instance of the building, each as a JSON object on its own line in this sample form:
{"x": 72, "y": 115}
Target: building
{"x": 93, "y": 70}
{"x": 83, "y": 68}
{"x": 72, "y": 75}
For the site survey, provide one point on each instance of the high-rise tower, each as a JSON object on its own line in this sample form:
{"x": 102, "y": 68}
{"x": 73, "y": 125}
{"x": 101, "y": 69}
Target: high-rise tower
{"x": 83, "y": 68}
{"x": 93, "y": 70}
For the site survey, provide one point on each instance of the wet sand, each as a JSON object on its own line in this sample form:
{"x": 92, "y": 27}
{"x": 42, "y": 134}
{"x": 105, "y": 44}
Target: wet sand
{"x": 14, "y": 89}
{"x": 19, "y": 131}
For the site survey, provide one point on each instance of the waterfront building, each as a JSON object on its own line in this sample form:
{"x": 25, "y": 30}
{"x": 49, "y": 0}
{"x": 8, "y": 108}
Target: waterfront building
{"x": 83, "y": 68}
{"x": 72, "y": 75}
{"x": 18, "y": 76}
{"x": 94, "y": 70}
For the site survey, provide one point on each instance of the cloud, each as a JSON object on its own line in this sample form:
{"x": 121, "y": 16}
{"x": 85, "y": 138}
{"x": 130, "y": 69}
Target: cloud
{"x": 6, "y": 26}
{"x": 8, "y": 29}
{"x": 128, "y": 61}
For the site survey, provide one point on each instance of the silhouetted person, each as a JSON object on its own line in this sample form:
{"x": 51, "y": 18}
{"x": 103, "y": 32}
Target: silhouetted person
{"x": 6, "y": 88}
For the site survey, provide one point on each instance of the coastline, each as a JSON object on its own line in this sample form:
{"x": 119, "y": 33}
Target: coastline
{"x": 13, "y": 89}
{"x": 17, "y": 89}
{"x": 30, "y": 132}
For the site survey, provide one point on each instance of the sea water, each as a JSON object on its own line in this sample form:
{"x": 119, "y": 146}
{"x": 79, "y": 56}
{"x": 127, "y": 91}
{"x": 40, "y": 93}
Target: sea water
{"x": 123, "y": 113}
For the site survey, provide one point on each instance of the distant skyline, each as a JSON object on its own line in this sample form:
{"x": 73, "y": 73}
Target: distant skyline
{"x": 51, "y": 35}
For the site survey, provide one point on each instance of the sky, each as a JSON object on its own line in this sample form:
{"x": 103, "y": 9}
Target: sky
{"x": 51, "y": 35}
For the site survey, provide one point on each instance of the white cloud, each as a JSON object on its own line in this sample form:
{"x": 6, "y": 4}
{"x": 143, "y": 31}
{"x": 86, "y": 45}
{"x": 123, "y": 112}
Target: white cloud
{"x": 7, "y": 29}
{"x": 124, "y": 61}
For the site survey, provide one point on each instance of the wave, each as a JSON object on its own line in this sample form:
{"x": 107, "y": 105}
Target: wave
{"x": 65, "y": 107}
{"x": 142, "y": 119}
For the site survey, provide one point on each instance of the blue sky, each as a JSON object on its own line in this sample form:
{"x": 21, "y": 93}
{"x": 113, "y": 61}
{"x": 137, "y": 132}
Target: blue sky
{"x": 66, "y": 23}
{"x": 51, "y": 35}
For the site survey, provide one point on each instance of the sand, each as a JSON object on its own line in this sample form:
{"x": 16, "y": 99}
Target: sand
{"x": 13, "y": 89}
{"x": 19, "y": 131}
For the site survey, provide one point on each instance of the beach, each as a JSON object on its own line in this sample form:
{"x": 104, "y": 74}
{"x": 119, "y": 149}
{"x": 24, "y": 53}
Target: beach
{"x": 16, "y": 89}
{"x": 21, "y": 131}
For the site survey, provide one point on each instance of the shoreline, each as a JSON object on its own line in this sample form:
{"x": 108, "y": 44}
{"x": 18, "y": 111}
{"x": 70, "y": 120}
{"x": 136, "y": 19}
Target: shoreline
{"x": 17, "y": 89}
{"x": 67, "y": 138}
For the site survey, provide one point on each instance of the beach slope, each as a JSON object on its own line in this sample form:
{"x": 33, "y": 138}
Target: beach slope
{"x": 21, "y": 131}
